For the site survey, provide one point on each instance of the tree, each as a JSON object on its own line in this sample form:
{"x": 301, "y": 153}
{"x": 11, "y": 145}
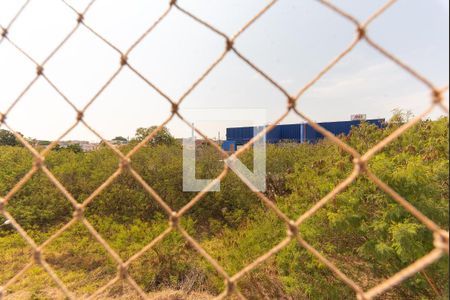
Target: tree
{"x": 400, "y": 117}
{"x": 76, "y": 148}
{"x": 120, "y": 140}
{"x": 7, "y": 138}
{"x": 163, "y": 137}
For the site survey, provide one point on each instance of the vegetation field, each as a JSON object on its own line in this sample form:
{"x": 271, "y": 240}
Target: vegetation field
{"x": 363, "y": 231}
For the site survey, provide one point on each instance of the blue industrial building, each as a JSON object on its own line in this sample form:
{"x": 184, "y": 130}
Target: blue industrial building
{"x": 298, "y": 133}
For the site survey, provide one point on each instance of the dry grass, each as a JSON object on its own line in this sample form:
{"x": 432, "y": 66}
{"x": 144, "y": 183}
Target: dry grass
{"x": 128, "y": 295}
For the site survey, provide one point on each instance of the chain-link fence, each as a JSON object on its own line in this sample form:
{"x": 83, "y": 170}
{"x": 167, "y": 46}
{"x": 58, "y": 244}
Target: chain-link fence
{"x": 436, "y": 99}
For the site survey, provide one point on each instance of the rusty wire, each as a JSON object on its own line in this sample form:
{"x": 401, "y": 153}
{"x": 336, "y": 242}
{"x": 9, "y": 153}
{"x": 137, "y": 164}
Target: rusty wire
{"x": 361, "y": 161}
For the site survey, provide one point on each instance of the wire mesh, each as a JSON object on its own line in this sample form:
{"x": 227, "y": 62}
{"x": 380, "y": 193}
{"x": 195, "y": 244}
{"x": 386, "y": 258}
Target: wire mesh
{"x": 361, "y": 168}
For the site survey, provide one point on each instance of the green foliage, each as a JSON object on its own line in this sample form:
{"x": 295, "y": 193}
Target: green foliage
{"x": 365, "y": 219}
{"x": 8, "y": 139}
{"x": 163, "y": 137}
{"x": 85, "y": 266}
{"x": 366, "y": 233}
{"x": 76, "y": 148}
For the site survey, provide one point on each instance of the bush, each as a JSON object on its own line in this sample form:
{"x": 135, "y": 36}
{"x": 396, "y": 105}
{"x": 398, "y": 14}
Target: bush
{"x": 365, "y": 232}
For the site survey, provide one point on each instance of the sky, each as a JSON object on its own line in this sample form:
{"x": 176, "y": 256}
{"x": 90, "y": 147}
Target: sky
{"x": 292, "y": 42}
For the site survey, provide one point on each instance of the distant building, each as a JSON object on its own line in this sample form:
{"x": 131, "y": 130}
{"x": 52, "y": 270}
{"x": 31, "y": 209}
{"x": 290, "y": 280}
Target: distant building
{"x": 89, "y": 147}
{"x": 85, "y": 145}
{"x": 297, "y": 133}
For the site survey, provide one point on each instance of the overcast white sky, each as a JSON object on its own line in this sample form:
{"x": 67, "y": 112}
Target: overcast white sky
{"x": 292, "y": 42}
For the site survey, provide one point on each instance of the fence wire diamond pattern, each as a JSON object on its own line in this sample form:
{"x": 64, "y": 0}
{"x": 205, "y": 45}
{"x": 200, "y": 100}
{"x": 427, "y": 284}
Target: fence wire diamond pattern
{"x": 361, "y": 168}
